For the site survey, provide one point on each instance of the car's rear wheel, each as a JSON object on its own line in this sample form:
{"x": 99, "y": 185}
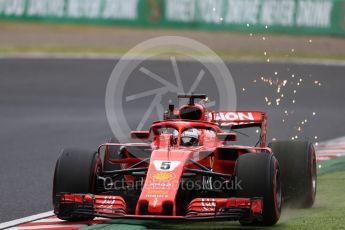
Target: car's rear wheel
{"x": 75, "y": 172}
{"x": 297, "y": 162}
{"x": 259, "y": 176}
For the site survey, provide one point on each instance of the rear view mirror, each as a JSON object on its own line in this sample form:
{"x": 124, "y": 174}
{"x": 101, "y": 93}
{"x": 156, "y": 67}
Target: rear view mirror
{"x": 227, "y": 136}
{"x": 143, "y": 135}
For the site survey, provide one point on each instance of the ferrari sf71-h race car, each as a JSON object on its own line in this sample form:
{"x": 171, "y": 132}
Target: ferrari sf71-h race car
{"x": 192, "y": 165}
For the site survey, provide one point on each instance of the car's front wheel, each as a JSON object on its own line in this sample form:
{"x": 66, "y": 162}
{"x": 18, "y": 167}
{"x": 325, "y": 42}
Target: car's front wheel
{"x": 75, "y": 172}
{"x": 259, "y": 176}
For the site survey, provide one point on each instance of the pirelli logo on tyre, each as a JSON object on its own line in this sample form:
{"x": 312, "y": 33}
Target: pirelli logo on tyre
{"x": 163, "y": 176}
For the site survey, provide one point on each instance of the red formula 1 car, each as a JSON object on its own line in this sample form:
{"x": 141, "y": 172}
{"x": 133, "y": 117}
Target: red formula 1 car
{"x": 193, "y": 166}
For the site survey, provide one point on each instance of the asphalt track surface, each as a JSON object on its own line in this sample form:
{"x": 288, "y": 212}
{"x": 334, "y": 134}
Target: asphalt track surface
{"x": 49, "y": 104}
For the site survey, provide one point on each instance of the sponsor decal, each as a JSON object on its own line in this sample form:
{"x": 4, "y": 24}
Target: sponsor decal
{"x": 233, "y": 116}
{"x": 163, "y": 176}
{"x": 180, "y": 10}
{"x": 157, "y": 192}
{"x": 277, "y": 13}
{"x": 75, "y": 9}
{"x": 208, "y": 204}
{"x": 166, "y": 165}
{"x": 287, "y": 13}
{"x": 158, "y": 189}
{"x": 242, "y": 11}
{"x": 314, "y": 13}
{"x": 107, "y": 203}
{"x": 155, "y": 196}
{"x": 160, "y": 184}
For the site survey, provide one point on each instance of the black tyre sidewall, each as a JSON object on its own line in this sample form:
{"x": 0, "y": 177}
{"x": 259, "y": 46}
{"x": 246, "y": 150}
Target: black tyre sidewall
{"x": 75, "y": 172}
{"x": 297, "y": 161}
{"x": 259, "y": 173}
{"x": 308, "y": 192}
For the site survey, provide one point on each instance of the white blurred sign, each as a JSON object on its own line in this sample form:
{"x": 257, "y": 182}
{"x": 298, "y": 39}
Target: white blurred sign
{"x": 309, "y": 13}
{"x": 93, "y": 9}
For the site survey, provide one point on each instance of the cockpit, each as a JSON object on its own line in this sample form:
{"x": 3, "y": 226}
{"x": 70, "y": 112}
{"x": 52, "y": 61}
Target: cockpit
{"x": 186, "y": 136}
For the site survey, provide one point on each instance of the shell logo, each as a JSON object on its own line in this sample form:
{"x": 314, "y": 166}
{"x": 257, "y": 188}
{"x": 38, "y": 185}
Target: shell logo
{"x": 162, "y": 176}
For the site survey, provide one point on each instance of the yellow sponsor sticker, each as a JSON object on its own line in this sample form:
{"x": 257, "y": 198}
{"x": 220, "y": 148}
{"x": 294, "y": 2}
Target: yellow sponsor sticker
{"x": 162, "y": 176}
{"x": 157, "y": 192}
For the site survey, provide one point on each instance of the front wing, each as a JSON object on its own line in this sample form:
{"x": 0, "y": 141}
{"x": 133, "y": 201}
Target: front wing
{"x": 245, "y": 209}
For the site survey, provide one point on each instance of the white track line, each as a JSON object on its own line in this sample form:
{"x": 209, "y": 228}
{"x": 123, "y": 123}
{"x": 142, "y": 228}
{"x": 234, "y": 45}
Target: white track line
{"x": 25, "y": 219}
{"x": 48, "y": 220}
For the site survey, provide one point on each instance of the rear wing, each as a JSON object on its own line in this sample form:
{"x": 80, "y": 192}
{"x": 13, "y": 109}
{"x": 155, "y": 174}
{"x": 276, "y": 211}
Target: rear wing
{"x": 239, "y": 119}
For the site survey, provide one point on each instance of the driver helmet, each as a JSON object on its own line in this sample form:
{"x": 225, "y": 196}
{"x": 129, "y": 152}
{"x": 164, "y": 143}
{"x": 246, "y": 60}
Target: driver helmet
{"x": 190, "y": 133}
{"x": 190, "y": 136}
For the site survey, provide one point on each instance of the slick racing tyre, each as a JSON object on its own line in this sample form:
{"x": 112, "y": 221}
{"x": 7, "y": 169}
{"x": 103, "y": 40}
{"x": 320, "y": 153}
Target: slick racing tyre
{"x": 259, "y": 176}
{"x": 75, "y": 172}
{"x": 297, "y": 163}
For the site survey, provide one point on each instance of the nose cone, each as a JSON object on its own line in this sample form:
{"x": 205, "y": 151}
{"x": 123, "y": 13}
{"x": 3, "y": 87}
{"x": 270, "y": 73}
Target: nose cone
{"x": 162, "y": 181}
